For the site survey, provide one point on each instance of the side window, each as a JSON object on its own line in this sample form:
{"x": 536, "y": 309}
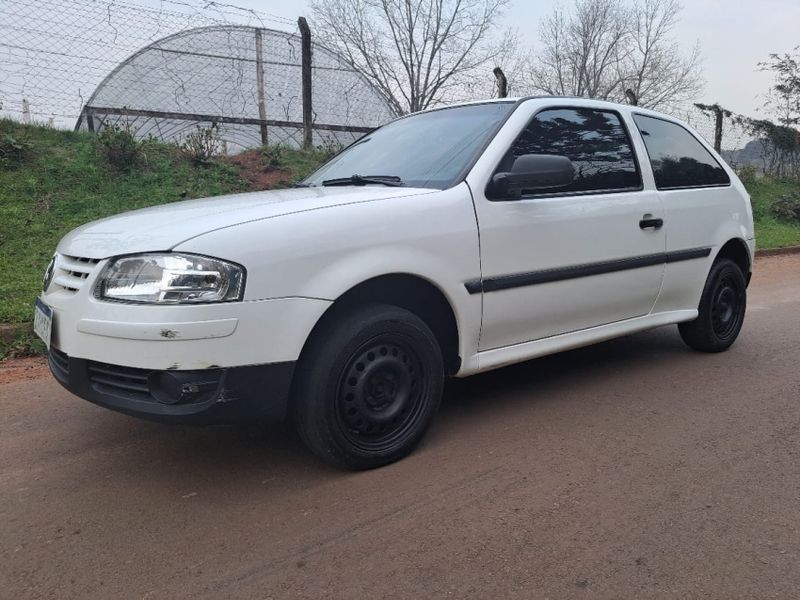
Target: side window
{"x": 678, "y": 159}
{"x": 594, "y": 140}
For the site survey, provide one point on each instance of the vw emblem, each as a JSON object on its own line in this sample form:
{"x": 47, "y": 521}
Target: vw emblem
{"x": 48, "y": 274}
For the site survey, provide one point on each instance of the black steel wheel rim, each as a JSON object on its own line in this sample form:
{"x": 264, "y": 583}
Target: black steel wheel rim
{"x": 726, "y": 307}
{"x": 381, "y": 394}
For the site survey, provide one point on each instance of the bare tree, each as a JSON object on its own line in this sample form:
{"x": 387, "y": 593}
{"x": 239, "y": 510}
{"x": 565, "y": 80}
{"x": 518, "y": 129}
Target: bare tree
{"x": 416, "y": 52}
{"x": 512, "y": 59}
{"x": 610, "y": 50}
{"x": 580, "y": 51}
{"x": 654, "y": 69}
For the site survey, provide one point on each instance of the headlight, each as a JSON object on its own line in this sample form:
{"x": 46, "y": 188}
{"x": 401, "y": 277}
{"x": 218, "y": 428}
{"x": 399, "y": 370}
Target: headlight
{"x": 170, "y": 279}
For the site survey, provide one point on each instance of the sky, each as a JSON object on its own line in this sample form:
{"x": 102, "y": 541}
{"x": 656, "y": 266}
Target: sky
{"x": 734, "y": 37}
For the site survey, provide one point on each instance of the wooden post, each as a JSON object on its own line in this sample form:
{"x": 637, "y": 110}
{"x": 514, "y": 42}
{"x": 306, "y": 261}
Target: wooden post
{"x": 305, "y": 35}
{"x": 719, "y": 115}
{"x": 262, "y": 107}
{"x": 86, "y": 113}
{"x": 718, "y": 128}
{"x": 501, "y": 81}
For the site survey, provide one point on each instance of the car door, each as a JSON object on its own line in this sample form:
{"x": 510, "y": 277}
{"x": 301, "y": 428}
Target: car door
{"x": 554, "y": 262}
{"x": 699, "y": 201}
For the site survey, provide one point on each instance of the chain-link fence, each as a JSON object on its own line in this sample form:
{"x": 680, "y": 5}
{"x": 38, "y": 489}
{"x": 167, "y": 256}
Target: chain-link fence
{"x": 736, "y": 142}
{"x": 734, "y": 135}
{"x": 761, "y": 145}
{"x": 164, "y": 71}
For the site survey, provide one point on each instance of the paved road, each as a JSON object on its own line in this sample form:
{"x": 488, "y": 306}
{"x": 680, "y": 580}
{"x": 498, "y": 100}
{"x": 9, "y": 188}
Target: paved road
{"x": 631, "y": 469}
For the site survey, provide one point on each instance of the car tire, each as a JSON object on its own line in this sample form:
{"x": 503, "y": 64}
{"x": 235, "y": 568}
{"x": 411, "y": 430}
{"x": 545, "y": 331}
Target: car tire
{"x": 721, "y": 310}
{"x": 367, "y": 386}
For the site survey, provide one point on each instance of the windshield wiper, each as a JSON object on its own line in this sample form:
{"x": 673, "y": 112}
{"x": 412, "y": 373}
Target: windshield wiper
{"x": 391, "y": 180}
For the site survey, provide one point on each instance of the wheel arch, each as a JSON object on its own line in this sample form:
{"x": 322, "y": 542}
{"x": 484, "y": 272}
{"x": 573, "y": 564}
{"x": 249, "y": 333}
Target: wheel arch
{"x": 411, "y": 292}
{"x": 736, "y": 249}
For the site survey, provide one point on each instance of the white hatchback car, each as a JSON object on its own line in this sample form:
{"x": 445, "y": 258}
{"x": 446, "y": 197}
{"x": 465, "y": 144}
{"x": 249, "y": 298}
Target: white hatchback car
{"x": 446, "y": 243}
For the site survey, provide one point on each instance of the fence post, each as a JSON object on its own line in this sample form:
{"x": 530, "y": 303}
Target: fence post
{"x": 262, "y": 107}
{"x": 305, "y": 35}
{"x": 502, "y": 82}
{"x": 86, "y": 113}
{"x": 718, "y": 128}
{"x": 719, "y": 114}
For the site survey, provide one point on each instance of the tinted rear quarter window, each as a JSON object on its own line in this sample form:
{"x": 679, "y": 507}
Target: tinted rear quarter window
{"x": 679, "y": 160}
{"x": 595, "y": 141}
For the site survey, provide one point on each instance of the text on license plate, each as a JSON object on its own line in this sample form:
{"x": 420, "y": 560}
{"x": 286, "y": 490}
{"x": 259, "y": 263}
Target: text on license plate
{"x": 43, "y": 321}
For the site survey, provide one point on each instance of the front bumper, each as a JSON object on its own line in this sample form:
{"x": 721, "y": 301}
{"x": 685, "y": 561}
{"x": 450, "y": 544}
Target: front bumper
{"x": 182, "y": 337}
{"x": 256, "y": 393}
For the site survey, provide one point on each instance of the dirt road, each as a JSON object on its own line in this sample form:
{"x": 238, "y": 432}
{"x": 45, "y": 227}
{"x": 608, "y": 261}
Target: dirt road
{"x": 632, "y": 469}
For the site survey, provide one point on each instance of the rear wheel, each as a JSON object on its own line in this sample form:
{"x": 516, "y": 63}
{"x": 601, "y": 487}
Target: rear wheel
{"x": 368, "y": 387}
{"x": 721, "y": 310}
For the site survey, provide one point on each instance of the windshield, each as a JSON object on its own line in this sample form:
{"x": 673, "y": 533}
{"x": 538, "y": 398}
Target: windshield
{"x": 429, "y": 149}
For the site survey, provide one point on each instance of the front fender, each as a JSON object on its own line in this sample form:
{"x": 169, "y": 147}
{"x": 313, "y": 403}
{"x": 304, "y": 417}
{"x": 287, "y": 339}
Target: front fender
{"x": 326, "y": 252}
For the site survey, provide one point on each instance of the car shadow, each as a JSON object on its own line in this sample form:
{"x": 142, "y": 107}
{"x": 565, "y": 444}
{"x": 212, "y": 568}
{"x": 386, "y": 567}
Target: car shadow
{"x": 237, "y": 455}
{"x": 528, "y": 381}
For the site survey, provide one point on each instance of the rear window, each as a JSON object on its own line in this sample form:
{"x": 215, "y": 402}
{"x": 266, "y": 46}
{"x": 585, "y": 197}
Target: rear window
{"x": 679, "y": 160}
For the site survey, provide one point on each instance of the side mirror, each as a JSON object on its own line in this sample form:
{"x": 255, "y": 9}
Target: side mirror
{"x": 533, "y": 172}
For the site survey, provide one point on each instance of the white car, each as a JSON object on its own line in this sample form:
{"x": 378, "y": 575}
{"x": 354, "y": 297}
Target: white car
{"x": 446, "y": 243}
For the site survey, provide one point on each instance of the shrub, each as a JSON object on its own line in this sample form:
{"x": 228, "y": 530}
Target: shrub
{"x": 120, "y": 148}
{"x": 787, "y": 208}
{"x": 329, "y": 147}
{"x": 747, "y": 173}
{"x": 13, "y": 150}
{"x": 203, "y": 144}
{"x": 273, "y": 156}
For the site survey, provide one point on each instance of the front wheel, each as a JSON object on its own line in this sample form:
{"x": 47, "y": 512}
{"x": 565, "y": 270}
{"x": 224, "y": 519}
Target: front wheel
{"x": 368, "y": 386}
{"x": 721, "y": 310}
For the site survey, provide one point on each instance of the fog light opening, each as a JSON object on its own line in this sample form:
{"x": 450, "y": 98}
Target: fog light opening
{"x": 184, "y": 387}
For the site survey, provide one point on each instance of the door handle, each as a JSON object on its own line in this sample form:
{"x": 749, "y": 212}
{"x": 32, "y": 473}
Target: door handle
{"x": 650, "y": 223}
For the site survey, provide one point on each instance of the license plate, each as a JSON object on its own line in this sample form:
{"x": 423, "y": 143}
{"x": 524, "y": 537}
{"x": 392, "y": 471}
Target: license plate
{"x": 43, "y": 321}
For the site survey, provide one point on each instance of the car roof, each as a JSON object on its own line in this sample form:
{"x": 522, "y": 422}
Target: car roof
{"x": 578, "y": 101}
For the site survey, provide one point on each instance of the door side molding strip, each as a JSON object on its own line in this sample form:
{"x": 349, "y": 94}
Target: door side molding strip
{"x": 689, "y": 254}
{"x": 505, "y": 282}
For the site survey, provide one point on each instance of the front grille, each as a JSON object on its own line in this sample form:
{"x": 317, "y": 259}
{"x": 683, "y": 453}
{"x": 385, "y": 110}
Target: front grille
{"x": 127, "y": 382}
{"x": 106, "y": 382}
{"x": 59, "y": 364}
{"x": 71, "y": 272}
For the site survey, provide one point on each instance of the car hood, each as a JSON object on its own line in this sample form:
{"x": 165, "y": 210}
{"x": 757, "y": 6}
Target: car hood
{"x": 163, "y": 227}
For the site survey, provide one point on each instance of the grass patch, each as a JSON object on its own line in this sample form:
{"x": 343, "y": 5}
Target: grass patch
{"x": 301, "y": 163}
{"x": 52, "y": 181}
{"x": 18, "y": 341}
{"x": 772, "y": 232}
{"x": 65, "y": 181}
